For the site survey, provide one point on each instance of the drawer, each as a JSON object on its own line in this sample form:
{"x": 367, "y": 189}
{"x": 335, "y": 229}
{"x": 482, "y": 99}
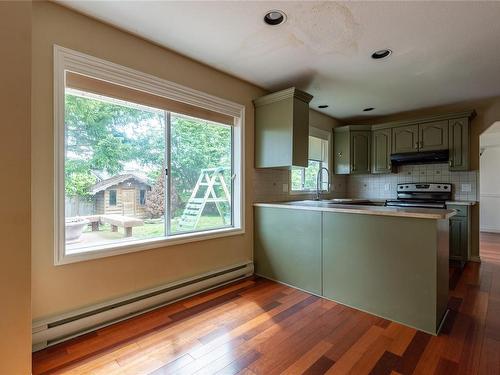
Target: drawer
{"x": 461, "y": 210}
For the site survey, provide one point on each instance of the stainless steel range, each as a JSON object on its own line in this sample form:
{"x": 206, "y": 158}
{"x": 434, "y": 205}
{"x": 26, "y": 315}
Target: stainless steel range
{"x": 421, "y": 195}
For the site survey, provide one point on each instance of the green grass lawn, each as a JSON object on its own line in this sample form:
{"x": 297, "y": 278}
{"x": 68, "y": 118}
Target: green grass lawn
{"x": 151, "y": 230}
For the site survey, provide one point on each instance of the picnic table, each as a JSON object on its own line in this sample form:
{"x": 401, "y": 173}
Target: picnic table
{"x": 125, "y": 222}
{"x": 94, "y": 221}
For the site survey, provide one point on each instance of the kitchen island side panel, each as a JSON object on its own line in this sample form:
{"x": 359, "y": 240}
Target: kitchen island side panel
{"x": 387, "y": 266}
{"x": 288, "y": 247}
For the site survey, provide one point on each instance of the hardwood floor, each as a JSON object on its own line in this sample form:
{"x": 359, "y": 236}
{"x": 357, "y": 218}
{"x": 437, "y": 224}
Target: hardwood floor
{"x": 260, "y": 327}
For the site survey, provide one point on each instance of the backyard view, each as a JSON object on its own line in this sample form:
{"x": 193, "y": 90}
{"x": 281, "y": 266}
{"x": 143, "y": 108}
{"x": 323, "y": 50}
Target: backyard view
{"x": 305, "y": 178}
{"x": 116, "y": 188}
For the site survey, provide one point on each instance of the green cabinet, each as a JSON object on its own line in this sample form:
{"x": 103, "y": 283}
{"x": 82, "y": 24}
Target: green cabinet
{"x": 382, "y": 268}
{"x": 282, "y": 129}
{"x": 352, "y": 145}
{"x": 460, "y": 237}
{"x": 360, "y": 151}
{"x": 430, "y": 136}
{"x": 459, "y": 143}
{"x": 369, "y": 262}
{"x": 381, "y": 151}
{"x": 287, "y": 246}
{"x": 341, "y": 147}
{"x": 433, "y": 136}
{"x": 405, "y": 139}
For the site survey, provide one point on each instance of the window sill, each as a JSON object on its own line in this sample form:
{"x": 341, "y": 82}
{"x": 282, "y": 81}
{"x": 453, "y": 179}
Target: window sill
{"x": 140, "y": 245}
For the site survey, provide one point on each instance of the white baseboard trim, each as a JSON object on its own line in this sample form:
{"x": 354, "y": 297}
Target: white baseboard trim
{"x": 59, "y": 328}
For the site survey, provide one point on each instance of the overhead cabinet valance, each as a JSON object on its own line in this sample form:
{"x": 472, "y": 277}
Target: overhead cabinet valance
{"x": 282, "y": 129}
{"x": 112, "y": 90}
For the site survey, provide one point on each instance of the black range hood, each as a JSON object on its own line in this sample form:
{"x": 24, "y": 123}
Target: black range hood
{"x": 422, "y": 157}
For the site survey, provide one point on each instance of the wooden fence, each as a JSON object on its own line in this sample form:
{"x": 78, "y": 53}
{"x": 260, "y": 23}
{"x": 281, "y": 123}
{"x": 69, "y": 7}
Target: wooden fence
{"x": 75, "y": 206}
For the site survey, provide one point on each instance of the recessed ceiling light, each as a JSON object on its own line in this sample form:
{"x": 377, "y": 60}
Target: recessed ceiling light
{"x": 323, "y": 106}
{"x": 381, "y": 54}
{"x": 368, "y": 109}
{"x": 275, "y": 17}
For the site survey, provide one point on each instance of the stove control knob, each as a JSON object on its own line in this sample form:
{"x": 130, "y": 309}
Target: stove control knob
{"x": 446, "y": 187}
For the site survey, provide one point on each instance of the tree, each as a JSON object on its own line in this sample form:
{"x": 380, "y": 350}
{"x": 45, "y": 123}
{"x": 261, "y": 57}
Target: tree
{"x": 155, "y": 200}
{"x": 105, "y": 137}
{"x": 195, "y": 145}
{"x": 101, "y": 136}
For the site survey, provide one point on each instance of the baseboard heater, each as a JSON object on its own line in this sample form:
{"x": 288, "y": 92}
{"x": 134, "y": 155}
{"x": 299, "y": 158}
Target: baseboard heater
{"x": 51, "y": 331}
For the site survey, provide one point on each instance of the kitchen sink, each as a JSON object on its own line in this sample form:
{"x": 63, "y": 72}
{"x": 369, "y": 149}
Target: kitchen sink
{"x": 336, "y": 201}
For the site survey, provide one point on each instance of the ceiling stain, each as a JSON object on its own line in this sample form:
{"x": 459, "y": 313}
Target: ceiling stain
{"x": 323, "y": 28}
{"x": 326, "y": 27}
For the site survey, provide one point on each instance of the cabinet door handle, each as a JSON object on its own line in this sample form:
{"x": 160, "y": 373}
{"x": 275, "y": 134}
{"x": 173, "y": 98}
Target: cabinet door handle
{"x": 450, "y": 163}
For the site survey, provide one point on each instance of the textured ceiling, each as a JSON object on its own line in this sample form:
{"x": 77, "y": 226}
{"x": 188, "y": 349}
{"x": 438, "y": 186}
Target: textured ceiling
{"x": 444, "y": 52}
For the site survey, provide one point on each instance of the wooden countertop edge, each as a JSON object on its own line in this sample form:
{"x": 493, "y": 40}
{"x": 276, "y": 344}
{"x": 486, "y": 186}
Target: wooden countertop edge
{"x": 421, "y": 213}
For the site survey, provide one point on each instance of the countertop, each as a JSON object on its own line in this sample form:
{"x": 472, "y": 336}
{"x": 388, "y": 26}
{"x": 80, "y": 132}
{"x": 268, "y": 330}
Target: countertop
{"x": 420, "y": 213}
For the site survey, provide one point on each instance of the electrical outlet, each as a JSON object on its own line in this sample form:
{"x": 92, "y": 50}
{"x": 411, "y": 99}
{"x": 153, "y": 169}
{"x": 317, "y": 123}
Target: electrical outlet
{"x": 387, "y": 187}
{"x": 285, "y": 188}
{"x": 466, "y": 188}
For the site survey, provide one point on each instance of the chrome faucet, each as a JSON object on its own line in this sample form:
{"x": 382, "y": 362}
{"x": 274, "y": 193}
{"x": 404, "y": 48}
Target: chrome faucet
{"x": 318, "y": 182}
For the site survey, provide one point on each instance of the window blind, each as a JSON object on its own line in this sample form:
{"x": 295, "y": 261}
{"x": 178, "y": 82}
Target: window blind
{"x": 100, "y": 87}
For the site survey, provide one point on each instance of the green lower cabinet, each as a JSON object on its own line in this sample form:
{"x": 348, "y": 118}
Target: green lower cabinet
{"x": 385, "y": 268}
{"x": 460, "y": 237}
{"x": 288, "y": 246}
{"x": 393, "y": 267}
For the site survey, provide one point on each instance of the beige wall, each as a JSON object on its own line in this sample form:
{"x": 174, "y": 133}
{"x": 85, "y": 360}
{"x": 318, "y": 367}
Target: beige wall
{"x": 15, "y": 68}
{"x": 488, "y": 112}
{"x": 63, "y": 288}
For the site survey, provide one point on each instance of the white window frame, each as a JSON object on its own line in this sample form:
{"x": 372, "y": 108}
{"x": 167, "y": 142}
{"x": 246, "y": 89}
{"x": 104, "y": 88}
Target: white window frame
{"x": 66, "y": 59}
{"x": 327, "y": 136}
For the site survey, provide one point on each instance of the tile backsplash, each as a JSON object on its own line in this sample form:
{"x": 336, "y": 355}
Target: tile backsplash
{"x": 268, "y": 186}
{"x": 383, "y": 186}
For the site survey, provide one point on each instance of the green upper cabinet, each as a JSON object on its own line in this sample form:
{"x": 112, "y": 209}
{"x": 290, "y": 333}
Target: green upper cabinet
{"x": 405, "y": 139}
{"x": 360, "y": 151}
{"x": 352, "y": 145}
{"x": 282, "y": 129}
{"x": 341, "y": 147}
{"x": 381, "y": 151}
{"x": 433, "y": 136}
{"x": 430, "y": 136}
{"x": 458, "y": 130}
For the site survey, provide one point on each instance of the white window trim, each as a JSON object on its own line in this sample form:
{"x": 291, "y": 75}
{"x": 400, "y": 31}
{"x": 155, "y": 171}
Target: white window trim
{"x": 66, "y": 59}
{"x": 327, "y": 136}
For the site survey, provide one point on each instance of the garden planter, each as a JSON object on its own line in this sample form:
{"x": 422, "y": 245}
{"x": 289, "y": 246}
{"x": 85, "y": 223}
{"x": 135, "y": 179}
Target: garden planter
{"x": 74, "y": 228}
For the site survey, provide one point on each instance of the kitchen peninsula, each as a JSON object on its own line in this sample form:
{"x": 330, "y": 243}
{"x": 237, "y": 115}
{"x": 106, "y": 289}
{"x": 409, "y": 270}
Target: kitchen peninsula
{"x": 388, "y": 261}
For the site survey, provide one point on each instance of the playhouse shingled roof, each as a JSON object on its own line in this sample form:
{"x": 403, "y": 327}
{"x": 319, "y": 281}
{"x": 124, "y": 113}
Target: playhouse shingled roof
{"x": 115, "y": 180}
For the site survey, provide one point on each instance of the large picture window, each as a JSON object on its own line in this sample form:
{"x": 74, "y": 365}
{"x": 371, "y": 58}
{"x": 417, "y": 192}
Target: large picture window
{"x": 141, "y": 170}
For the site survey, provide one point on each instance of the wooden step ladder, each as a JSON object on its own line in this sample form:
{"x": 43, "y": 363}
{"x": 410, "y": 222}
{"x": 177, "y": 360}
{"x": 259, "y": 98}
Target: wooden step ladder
{"x": 195, "y": 205}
